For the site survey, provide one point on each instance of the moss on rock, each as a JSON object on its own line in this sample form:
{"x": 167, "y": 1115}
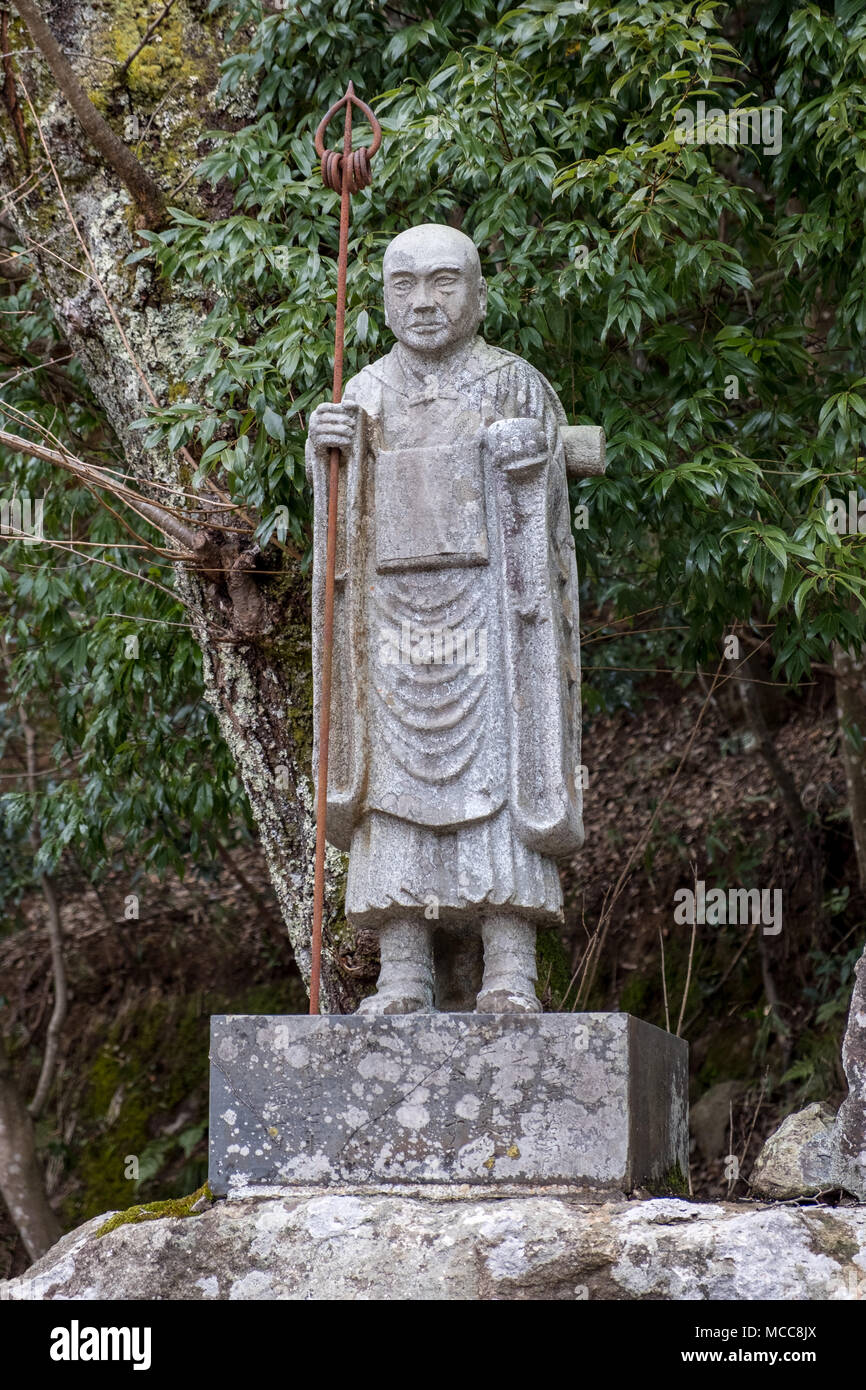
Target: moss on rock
{"x": 152, "y": 1064}
{"x": 191, "y": 1205}
{"x": 161, "y": 61}
{"x": 179, "y": 61}
{"x": 636, "y": 996}
{"x": 673, "y": 1183}
{"x": 553, "y": 968}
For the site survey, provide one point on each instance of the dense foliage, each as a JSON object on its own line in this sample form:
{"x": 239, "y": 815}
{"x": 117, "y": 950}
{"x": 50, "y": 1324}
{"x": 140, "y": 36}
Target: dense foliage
{"x": 702, "y": 299}
{"x": 705, "y": 302}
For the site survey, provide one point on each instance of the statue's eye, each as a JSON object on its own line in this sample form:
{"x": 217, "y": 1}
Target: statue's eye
{"x": 446, "y": 282}
{"x": 401, "y": 286}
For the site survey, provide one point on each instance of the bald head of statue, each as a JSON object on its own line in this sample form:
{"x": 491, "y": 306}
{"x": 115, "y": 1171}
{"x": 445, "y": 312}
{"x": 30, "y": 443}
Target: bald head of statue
{"x": 435, "y": 295}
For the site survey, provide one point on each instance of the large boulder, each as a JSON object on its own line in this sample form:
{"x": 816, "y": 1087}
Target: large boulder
{"x": 795, "y": 1161}
{"x": 710, "y": 1120}
{"x": 849, "y": 1134}
{"x": 338, "y": 1245}
{"x": 812, "y": 1151}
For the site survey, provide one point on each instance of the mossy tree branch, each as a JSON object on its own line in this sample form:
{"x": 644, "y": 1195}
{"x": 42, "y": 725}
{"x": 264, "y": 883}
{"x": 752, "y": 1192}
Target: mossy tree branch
{"x": 142, "y": 188}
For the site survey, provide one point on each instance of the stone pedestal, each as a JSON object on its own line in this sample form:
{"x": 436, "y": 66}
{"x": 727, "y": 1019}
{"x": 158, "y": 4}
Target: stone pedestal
{"x": 590, "y": 1100}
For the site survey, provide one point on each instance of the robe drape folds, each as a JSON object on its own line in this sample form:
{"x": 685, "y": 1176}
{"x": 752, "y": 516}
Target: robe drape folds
{"x": 455, "y": 720}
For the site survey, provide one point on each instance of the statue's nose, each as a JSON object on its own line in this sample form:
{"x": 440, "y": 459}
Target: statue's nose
{"x": 422, "y": 299}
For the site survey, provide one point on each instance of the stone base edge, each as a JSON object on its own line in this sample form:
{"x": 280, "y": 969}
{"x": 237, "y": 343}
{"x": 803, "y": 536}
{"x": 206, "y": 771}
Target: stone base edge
{"x": 433, "y": 1192}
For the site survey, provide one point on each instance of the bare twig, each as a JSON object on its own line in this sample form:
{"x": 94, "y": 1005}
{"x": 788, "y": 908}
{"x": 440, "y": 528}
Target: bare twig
{"x": 600, "y": 934}
{"x": 687, "y": 985}
{"x": 55, "y": 929}
{"x": 724, "y": 979}
{"x": 268, "y": 910}
{"x": 109, "y": 564}
{"x": 148, "y": 34}
{"x": 190, "y": 541}
{"x": 11, "y": 196}
{"x": 41, "y": 772}
{"x": 110, "y": 480}
{"x": 794, "y": 811}
{"x": 754, "y": 1121}
{"x": 664, "y": 982}
{"x": 85, "y": 248}
{"x": 184, "y": 452}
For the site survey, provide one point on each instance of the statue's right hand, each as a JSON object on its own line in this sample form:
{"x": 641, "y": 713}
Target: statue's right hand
{"x": 332, "y": 427}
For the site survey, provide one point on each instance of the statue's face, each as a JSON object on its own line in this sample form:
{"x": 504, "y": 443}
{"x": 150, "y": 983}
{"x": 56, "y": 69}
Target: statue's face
{"x": 435, "y": 296}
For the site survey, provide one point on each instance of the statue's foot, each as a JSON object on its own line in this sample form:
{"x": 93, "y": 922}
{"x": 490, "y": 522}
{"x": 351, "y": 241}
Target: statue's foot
{"x": 406, "y": 975}
{"x": 508, "y": 983}
{"x": 506, "y": 1001}
{"x": 380, "y": 1004}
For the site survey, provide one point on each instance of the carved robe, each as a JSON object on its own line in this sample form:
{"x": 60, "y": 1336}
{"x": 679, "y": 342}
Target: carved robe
{"x": 455, "y": 720}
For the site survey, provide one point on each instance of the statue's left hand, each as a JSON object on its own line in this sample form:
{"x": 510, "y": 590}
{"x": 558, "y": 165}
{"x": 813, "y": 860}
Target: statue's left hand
{"x": 516, "y": 444}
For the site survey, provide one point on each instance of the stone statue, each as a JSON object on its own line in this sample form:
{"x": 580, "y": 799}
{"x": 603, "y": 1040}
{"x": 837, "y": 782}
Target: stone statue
{"x": 454, "y": 778}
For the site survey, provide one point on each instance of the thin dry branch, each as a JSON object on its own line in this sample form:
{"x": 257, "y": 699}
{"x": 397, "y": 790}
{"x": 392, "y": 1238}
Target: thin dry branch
{"x": 184, "y": 452}
{"x": 116, "y": 476}
{"x": 55, "y": 928}
{"x": 664, "y": 981}
{"x": 688, "y": 984}
{"x": 110, "y": 564}
{"x": 148, "y": 34}
{"x": 191, "y": 542}
{"x": 594, "y": 952}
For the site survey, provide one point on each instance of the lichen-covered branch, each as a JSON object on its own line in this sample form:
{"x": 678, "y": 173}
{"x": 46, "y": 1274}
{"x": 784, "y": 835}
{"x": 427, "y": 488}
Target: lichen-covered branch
{"x": 136, "y": 340}
{"x": 144, "y": 190}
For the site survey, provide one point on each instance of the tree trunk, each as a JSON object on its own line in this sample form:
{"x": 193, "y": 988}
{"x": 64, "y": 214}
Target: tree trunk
{"x": 258, "y": 682}
{"x": 807, "y": 838}
{"x": 849, "y": 1135}
{"x": 851, "y": 711}
{"x": 21, "y": 1181}
{"x": 787, "y": 787}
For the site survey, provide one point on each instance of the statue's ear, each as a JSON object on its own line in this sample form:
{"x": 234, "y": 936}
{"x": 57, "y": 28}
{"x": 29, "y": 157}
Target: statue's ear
{"x": 482, "y": 298}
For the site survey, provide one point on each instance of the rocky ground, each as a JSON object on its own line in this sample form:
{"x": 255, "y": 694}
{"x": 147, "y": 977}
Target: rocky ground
{"x": 134, "y": 1066}
{"x": 327, "y": 1245}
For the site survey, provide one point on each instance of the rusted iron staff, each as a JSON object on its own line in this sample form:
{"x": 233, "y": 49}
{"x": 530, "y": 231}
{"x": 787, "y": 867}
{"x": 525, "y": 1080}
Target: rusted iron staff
{"x": 346, "y": 172}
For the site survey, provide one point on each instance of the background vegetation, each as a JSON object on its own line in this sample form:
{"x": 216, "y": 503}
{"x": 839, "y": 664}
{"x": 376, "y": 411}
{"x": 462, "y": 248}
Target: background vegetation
{"x": 705, "y": 303}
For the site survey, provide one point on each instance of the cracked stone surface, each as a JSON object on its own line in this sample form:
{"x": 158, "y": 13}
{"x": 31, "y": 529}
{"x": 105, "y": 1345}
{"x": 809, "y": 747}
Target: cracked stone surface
{"x": 341, "y": 1245}
{"x": 595, "y": 1099}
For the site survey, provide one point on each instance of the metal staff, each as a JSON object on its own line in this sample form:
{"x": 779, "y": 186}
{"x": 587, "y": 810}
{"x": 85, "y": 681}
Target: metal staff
{"x": 346, "y": 173}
